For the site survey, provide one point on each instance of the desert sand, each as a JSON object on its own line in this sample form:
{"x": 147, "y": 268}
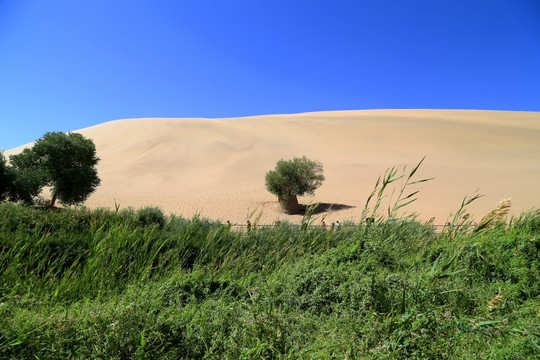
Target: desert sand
{"x": 216, "y": 167}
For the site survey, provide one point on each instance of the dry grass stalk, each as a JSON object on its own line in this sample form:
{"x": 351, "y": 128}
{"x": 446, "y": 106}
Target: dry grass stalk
{"x": 497, "y": 214}
{"x": 494, "y": 303}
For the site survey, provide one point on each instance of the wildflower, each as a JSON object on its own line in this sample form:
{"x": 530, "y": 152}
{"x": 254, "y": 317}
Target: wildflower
{"x": 423, "y": 330}
{"x": 505, "y": 321}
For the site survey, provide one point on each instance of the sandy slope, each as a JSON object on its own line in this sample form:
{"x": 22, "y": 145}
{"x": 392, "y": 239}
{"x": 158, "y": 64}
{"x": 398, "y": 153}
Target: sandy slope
{"x": 216, "y": 167}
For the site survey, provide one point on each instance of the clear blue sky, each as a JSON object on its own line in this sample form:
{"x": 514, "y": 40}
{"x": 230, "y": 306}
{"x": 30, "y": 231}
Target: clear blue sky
{"x": 69, "y": 64}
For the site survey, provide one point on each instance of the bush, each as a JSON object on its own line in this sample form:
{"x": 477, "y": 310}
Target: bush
{"x": 151, "y": 216}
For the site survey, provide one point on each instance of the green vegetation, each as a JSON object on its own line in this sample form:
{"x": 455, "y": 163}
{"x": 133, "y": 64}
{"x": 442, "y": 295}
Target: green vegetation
{"x": 5, "y": 179}
{"x": 294, "y": 178}
{"x": 134, "y": 284}
{"x": 65, "y": 162}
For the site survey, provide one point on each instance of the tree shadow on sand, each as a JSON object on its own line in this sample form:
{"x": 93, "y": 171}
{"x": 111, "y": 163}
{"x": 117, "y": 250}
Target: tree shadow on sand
{"x": 319, "y": 208}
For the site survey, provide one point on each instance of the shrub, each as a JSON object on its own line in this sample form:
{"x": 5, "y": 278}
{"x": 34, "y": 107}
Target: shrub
{"x": 151, "y": 216}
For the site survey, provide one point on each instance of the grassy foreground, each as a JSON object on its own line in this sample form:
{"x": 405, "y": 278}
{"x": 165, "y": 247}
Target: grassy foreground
{"x": 126, "y": 284}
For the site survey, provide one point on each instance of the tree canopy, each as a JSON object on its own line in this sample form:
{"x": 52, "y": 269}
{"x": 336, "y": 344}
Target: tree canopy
{"x": 5, "y": 178}
{"x": 293, "y": 178}
{"x": 65, "y": 162}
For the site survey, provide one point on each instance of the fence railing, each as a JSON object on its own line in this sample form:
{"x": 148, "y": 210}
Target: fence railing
{"x": 242, "y": 227}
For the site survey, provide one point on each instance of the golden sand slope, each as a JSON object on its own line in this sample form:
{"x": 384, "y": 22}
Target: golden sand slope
{"x": 216, "y": 167}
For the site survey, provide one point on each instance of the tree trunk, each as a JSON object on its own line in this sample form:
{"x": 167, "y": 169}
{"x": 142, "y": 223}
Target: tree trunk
{"x": 53, "y": 200}
{"x": 289, "y": 204}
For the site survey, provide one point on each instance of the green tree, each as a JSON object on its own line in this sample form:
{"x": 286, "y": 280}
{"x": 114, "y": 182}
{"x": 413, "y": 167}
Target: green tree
{"x": 5, "y": 179}
{"x": 25, "y": 176}
{"x": 294, "y": 178}
{"x": 65, "y": 162}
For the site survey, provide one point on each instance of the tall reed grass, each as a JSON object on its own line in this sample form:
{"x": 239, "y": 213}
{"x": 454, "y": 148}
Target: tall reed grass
{"x": 125, "y": 284}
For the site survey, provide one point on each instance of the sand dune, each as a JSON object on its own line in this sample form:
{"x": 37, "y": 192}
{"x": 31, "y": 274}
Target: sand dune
{"x": 216, "y": 167}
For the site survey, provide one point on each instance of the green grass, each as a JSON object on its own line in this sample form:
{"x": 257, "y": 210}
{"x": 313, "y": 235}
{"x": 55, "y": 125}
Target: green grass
{"x": 135, "y": 284}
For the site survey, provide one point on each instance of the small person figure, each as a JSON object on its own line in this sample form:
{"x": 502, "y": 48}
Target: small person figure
{"x": 338, "y": 224}
{"x": 333, "y": 225}
{"x": 323, "y": 226}
{"x": 248, "y": 225}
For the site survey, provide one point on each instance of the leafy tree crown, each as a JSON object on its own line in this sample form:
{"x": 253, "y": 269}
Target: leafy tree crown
{"x": 66, "y": 162}
{"x": 4, "y": 178}
{"x": 295, "y": 177}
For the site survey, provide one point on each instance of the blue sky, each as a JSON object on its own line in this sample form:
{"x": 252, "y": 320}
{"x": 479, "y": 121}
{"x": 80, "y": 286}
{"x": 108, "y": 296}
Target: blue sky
{"x": 66, "y": 65}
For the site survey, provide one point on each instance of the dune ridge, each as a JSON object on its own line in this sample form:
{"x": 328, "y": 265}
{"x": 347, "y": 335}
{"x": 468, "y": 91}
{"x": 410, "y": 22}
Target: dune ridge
{"x": 216, "y": 167}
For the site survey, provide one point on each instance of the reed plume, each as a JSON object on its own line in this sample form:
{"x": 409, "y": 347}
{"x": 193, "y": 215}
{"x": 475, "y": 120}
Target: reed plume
{"x": 494, "y": 303}
{"x": 495, "y": 215}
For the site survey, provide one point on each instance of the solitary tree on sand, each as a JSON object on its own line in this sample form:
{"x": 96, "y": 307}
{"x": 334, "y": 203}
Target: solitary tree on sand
{"x": 294, "y": 178}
